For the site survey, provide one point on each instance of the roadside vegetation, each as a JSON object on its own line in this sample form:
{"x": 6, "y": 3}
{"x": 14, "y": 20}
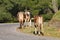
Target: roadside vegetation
{"x": 48, "y": 31}
{"x": 53, "y": 30}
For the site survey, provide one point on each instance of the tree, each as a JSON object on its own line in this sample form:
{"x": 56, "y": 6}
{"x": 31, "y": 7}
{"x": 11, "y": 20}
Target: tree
{"x": 55, "y": 5}
{"x": 11, "y": 7}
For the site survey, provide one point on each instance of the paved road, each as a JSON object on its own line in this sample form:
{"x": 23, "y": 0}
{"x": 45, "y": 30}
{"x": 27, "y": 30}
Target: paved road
{"x": 8, "y": 32}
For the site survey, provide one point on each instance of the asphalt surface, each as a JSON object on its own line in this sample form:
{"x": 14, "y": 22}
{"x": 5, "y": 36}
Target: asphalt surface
{"x": 8, "y": 32}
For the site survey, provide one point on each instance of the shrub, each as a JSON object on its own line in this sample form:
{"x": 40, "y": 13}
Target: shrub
{"x": 5, "y": 17}
{"x": 47, "y": 17}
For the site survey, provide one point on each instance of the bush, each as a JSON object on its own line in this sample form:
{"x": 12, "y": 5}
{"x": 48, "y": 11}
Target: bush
{"x": 35, "y": 12}
{"x": 5, "y": 17}
{"x": 47, "y": 17}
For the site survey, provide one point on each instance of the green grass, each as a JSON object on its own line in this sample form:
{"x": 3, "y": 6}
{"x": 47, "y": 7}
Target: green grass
{"x": 56, "y": 16}
{"x": 27, "y": 30}
{"x": 48, "y": 31}
{"x": 52, "y": 31}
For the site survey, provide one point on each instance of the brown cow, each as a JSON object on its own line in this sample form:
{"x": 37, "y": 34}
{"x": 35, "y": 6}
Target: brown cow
{"x": 23, "y": 17}
{"x": 20, "y": 17}
{"x": 38, "y": 23}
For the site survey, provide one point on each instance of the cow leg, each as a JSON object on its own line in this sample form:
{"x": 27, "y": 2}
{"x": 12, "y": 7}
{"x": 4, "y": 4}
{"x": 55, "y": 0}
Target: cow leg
{"x": 39, "y": 27}
{"x": 25, "y": 22}
{"x": 20, "y": 25}
{"x": 35, "y": 29}
{"x": 30, "y": 23}
{"x": 42, "y": 31}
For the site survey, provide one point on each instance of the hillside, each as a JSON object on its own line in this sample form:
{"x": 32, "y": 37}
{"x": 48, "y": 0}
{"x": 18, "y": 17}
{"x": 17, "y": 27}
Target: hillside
{"x": 55, "y": 21}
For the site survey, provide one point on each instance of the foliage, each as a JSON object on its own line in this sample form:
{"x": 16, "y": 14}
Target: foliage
{"x": 56, "y": 16}
{"x": 11, "y": 7}
{"x": 55, "y": 21}
{"x": 5, "y": 17}
{"x": 47, "y": 17}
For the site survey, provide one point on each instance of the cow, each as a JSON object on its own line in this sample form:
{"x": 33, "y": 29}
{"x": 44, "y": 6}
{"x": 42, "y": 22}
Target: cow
{"x": 27, "y": 17}
{"x": 24, "y": 17}
{"x": 20, "y": 16}
{"x": 38, "y": 23}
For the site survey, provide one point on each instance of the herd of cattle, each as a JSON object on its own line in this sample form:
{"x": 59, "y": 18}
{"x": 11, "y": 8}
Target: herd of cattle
{"x": 38, "y": 21}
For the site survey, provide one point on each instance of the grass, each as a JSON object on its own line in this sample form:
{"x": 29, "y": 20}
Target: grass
{"x": 48, "y": 31}
{"x": 27, "y": 30}
{"x": 52, "y": 31}
{"x": 56, "y": 16}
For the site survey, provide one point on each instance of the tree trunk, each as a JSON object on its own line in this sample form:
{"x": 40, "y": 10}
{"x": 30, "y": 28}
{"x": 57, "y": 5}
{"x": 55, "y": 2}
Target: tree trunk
{"x": 55, "y": 5}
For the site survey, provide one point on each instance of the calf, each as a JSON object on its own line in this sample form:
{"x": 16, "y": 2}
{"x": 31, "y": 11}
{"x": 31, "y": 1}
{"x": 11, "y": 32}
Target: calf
{"x": 27, "y": 18}
{"x": 38, "y": 23}
{"x": 20, "y": 17}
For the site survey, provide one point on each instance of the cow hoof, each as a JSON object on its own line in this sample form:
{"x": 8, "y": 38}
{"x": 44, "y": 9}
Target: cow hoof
{"x": 35, "y": 33}
{"x": 38, "y": 34}
{"x": 20, "y": 27}
{"x": 42, "y": 33}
